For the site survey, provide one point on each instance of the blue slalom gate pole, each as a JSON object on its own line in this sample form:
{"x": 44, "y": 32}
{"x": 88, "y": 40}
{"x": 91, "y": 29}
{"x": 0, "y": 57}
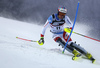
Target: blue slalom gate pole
{"x": 72, "y": 27}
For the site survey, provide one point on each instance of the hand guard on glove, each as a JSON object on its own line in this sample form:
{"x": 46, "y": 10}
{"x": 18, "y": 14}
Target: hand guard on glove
{"x": 67, "y": 29}
{"x": 41, "y": 41}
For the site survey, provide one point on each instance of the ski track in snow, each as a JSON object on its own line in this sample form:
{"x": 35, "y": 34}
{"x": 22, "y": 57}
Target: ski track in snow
{"x": 16, "y": 53}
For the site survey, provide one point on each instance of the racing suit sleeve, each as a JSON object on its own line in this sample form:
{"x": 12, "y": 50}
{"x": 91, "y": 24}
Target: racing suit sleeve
{"x": 68, "y": 21}
{"x": 47, "y": 24}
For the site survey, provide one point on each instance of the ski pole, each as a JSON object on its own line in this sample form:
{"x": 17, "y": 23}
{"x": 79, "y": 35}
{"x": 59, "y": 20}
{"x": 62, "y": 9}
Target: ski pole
{"x": 26, "y": 39}
{"x": 29, "y": 40}
{"x": 72, "y": 28}
{"x": 69, "y": 30}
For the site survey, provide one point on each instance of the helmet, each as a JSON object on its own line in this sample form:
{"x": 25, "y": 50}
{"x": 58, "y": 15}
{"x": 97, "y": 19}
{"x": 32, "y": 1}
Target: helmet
{"x": 62, "y": 9}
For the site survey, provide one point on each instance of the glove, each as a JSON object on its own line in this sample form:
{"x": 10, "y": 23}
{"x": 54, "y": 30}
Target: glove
{"x": 67, "y": 29}
{"x": 41, "y": 41}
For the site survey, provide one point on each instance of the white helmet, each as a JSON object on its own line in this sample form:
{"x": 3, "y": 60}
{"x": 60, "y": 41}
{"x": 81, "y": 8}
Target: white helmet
{"x": 62, "y": 9}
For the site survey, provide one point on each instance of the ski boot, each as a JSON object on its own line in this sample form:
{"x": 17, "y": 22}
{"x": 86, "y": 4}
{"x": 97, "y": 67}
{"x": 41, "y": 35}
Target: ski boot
{"x": 76, "y": 55}
{"x": 89, "y": 56}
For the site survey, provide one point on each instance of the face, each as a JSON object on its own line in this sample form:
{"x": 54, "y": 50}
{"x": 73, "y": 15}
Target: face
{"x": 61, "y": 15}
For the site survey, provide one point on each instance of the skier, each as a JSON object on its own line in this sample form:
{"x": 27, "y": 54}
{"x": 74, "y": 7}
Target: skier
{"x": 56, "y": 23}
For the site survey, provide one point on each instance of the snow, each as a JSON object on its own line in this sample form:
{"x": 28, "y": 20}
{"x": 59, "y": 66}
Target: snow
{"x": 15, "y": 53}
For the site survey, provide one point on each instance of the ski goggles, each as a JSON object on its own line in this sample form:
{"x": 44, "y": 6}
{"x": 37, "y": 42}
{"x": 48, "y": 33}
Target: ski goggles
{"x": 62, "y": 14}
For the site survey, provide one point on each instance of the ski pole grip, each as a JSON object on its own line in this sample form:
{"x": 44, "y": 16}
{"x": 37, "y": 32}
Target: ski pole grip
{"x": 68, "y": 30}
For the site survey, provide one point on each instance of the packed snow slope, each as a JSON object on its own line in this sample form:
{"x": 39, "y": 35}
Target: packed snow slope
{"x": 16, "y": 53}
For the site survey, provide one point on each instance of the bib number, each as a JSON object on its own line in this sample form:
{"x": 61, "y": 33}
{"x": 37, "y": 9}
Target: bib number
{"x": 58, "y": 28}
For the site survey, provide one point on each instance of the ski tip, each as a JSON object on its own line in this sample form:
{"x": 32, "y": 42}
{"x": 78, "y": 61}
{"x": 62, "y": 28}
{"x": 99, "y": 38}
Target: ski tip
{"x": 16, "y": 37}
{"x": 93, "y": 61}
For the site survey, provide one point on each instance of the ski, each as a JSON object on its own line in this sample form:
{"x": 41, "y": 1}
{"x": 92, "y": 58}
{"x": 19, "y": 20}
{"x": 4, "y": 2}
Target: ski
{"x": 81, "y": 57}
{"x": 75, "y": 58}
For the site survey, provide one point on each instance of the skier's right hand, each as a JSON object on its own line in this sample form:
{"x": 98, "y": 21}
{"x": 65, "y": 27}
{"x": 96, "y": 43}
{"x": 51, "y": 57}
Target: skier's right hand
{"x": 41, "y": 41}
